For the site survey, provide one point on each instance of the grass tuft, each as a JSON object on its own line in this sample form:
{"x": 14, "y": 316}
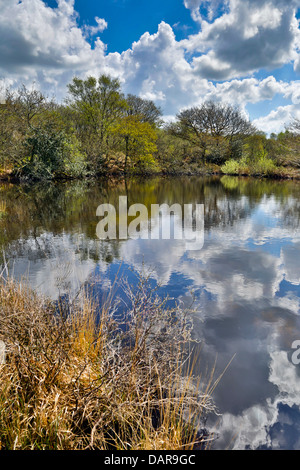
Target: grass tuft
{"x": 79, "y": 381}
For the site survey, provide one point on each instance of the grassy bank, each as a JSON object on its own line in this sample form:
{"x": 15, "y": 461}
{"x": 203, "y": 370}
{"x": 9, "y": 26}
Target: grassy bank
{"x": 74, "y": 381}
{"x": 263, "y": 169}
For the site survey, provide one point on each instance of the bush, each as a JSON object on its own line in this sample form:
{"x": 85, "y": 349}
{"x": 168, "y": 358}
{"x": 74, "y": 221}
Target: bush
{"x": 263, "y": 166}
{"x": 44, "y": 152}
{"x": 231, "y": 167}
{"x": 50, "y": 153}
{"x": 74, "y": 161}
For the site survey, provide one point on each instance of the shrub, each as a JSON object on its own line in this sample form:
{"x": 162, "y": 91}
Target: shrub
{"x": 263, "y": 166}
{"x": 74, "y": 160}
{"x": 43, "y": 152}
{"x": 231, "y": 167}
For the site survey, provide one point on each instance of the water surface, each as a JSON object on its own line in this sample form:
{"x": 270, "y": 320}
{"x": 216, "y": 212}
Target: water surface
{"x": 244, "y": 284}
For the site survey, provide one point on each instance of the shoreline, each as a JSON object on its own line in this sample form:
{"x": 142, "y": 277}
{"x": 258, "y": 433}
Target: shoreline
{"x": 8, "y": 178}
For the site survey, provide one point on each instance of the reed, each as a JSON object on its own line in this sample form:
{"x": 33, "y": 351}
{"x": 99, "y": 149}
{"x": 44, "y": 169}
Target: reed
{"x": 2, "y": 207}
{"x": 79, "y": 381}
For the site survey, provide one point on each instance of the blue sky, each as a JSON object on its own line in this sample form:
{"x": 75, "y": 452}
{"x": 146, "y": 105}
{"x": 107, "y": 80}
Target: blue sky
{"x": 178, "y": 53}
{"x": 129, "y": 19}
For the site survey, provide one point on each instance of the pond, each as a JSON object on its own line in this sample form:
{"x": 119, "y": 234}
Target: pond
{"x": 243, "y": 284}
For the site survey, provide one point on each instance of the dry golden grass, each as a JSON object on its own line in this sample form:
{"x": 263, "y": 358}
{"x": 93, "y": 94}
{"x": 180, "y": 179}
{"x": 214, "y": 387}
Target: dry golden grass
{"x": 2, "y": 207}
{"x": 77, "y": 381}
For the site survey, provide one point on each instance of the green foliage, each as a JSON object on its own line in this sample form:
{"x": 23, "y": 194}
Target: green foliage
{"x": 94, "y": 107}
{"x": 44, "y": 155}
{"x": 254, "y": 148}
{"x": 231, "y": 167}
{"x": 263, "y": 166}
{"x": 172, "y": 152}
{"x": 74, "y": 160}
{"x": 50, "y": 153}
{"x": 287, "y": 147}
{"x": 99, "y": 131}
{"x": 217, "y": 149}
{"x": 138, "y": 142}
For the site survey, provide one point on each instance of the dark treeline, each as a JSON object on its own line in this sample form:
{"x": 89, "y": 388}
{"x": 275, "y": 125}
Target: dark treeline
{"x": 98, "y": 130}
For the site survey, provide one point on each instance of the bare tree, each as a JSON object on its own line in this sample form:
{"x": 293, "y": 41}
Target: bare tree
{"x": 212, "y": 122}
{"x": 292, "y": 158}
{"x": 145, "y": 109}
{"x": 295, "y": 126}
{"x": 22, "y": 112}
{"x": 28, "y": 104}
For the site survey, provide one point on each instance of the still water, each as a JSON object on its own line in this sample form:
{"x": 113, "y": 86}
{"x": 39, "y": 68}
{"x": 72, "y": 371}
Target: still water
{"x": 243, "y": 285}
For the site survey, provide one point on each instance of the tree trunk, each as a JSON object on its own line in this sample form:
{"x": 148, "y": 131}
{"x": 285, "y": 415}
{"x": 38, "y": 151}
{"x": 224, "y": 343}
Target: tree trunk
{"x": 126, "y": 153}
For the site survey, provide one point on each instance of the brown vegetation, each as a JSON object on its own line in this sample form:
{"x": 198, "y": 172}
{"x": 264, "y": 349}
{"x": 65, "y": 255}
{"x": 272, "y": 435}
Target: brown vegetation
{"x": 78, "y": 381}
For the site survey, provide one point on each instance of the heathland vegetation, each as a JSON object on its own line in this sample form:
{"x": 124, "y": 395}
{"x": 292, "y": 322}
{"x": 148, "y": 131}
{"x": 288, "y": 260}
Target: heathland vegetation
{"x": 74, "y": 379}
{"x": 97, "y": 130}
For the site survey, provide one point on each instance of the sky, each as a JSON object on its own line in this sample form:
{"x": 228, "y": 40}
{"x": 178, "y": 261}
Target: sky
{"x": 178, "y": 53}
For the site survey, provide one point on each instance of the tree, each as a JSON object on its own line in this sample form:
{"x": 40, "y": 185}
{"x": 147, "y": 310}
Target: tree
{"x": 20, "y": 113}
{"x": 30, "y": 104}
{"x": 255, "y": 148}
{"x": 213, "y": 126}
{"x": 9, "y": 127}
{"x": 35, "y": 141}
{"x": 146, "y": 110}
{"x": 295, "y": 126}
{"x": 138, "y": 142}
{"x": 50, "y": 152}
{"x": 292, "y": 141}
{"x": 95, "y": 105}
{"x": 172, "y": 152}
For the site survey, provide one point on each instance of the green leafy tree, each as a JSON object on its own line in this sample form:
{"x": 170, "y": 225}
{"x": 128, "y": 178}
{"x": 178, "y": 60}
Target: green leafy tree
{"x": 255, "y": 148}
{"x": 138, "y": 143}
{"x": 51, "y": 153}
{"x": 95, "y": 105}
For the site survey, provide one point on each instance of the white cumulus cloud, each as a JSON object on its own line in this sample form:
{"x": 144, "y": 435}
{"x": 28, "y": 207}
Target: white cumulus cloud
{"x": 235, "y": 38}
{"x": 250, "y": 35}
